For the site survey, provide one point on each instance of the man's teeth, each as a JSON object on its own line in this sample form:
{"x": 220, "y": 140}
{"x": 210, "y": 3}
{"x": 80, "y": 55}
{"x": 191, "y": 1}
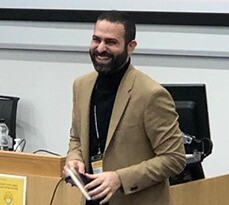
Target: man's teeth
{"x": 103, "y": 57}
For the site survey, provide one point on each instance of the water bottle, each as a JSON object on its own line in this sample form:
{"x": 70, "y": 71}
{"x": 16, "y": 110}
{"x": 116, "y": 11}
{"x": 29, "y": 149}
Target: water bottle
{"x": 17, "y": 145}
{"x": 4, "y": 131}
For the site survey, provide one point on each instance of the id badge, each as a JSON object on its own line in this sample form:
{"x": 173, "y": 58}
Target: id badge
{"x": 97, "y": 163}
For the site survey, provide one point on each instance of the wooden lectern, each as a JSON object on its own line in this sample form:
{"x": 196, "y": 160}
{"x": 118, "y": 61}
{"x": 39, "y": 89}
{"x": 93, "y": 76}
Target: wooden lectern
{"x": 210, "y": 191}
{"x": 43, "y": 172}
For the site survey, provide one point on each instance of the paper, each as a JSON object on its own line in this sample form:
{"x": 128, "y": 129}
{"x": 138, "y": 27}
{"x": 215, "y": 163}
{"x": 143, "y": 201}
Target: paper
{"x": 12, "y": 189}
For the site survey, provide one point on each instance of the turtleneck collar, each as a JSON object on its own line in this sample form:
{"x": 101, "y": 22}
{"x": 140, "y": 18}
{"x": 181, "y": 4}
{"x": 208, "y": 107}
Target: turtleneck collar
{"x": 111, "y": 81}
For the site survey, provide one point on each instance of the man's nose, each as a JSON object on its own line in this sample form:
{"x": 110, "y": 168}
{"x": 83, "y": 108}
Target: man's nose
{"x": 101, "y": 47}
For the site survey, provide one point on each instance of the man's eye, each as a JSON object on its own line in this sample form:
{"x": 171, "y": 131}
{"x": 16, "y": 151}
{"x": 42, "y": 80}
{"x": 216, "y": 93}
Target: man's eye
{"x": 111, "y": 42}
{"x": 96, "y": 40}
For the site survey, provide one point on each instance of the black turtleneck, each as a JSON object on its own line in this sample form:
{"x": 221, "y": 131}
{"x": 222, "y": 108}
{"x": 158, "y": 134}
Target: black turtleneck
{"x": 103, "y": 97}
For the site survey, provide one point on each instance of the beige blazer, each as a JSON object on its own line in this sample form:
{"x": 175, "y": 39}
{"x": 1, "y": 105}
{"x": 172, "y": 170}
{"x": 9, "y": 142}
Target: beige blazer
{"x": 144, "y": 143}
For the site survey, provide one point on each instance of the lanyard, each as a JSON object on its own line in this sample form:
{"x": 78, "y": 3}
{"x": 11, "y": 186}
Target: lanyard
{"x": 97, "y": 160}
{"x": 97, "y": 129}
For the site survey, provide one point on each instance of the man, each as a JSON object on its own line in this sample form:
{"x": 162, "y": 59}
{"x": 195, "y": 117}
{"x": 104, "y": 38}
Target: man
{"x": 124, "y": 124}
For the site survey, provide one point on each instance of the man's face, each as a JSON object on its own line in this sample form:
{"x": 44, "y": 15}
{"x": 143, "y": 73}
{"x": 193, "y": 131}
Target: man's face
{"x": 108, "y": 51}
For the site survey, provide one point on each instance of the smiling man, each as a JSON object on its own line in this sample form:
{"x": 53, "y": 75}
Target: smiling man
{"x": 125, "y": 137}
{"x": 109, "y": 50}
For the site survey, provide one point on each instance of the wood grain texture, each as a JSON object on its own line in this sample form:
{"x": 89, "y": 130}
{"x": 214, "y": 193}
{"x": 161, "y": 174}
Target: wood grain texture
{"x": 211, "y": 191}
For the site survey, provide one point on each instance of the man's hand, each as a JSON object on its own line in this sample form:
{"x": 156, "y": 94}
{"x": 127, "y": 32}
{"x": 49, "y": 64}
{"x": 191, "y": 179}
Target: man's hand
{"x": 74, "y": 165}
{"x": 106, "y": 184}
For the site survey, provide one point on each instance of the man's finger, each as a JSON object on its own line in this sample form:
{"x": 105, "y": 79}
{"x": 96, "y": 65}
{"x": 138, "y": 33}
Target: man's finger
{"x": 106, "y": 199}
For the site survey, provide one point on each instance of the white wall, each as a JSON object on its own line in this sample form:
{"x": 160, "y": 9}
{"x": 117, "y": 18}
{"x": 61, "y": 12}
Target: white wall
{"x": 154, "y": 5}
{"x": 39, "y": 61}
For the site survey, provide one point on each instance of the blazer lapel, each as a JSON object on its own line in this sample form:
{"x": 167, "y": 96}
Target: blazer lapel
{"x": 121, "y": 101}
{"x": 85, "y": 100}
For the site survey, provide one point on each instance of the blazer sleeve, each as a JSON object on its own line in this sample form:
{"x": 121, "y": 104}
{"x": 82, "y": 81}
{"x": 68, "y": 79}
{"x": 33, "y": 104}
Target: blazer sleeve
{"x": 74, "y": 149}
{"x": 162, "y": 129}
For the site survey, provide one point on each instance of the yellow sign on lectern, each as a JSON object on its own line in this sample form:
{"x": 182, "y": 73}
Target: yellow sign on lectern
{"x": 12, "y": 189}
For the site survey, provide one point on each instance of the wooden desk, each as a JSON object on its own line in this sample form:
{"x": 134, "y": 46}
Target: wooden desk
{"x": 210, "y": 191}
{"x": 43, "y": 172}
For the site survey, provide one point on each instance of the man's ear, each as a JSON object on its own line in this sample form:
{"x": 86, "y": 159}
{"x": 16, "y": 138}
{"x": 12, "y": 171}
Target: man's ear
{"x": 131, "y": 46}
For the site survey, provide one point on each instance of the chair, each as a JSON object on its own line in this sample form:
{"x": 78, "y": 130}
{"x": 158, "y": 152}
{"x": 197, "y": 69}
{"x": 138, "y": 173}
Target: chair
{"x": 8, "y": 112}
{"x": 191, "y": 106}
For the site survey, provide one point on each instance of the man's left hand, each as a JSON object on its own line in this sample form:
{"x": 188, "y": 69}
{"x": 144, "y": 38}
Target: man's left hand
{"x": 103, "y": 185}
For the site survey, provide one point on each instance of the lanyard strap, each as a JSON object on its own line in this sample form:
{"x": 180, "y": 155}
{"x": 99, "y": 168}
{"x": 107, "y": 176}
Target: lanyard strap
{"x": 97, "y": 129}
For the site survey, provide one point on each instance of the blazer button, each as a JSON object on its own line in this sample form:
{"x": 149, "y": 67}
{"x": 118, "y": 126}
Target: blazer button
{"x": 134, "y": 188}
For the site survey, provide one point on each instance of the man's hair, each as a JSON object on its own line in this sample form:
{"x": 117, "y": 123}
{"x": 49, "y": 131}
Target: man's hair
{"x": 115, "y": 16}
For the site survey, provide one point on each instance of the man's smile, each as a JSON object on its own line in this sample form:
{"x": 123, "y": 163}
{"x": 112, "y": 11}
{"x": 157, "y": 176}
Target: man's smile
{"x": 103, "y": 58}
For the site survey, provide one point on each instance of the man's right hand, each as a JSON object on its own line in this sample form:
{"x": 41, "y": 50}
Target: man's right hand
{"x": 74, "y": 165}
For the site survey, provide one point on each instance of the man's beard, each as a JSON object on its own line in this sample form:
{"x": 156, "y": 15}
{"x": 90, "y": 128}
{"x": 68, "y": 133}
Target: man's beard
{"x": 115, "y": 63}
